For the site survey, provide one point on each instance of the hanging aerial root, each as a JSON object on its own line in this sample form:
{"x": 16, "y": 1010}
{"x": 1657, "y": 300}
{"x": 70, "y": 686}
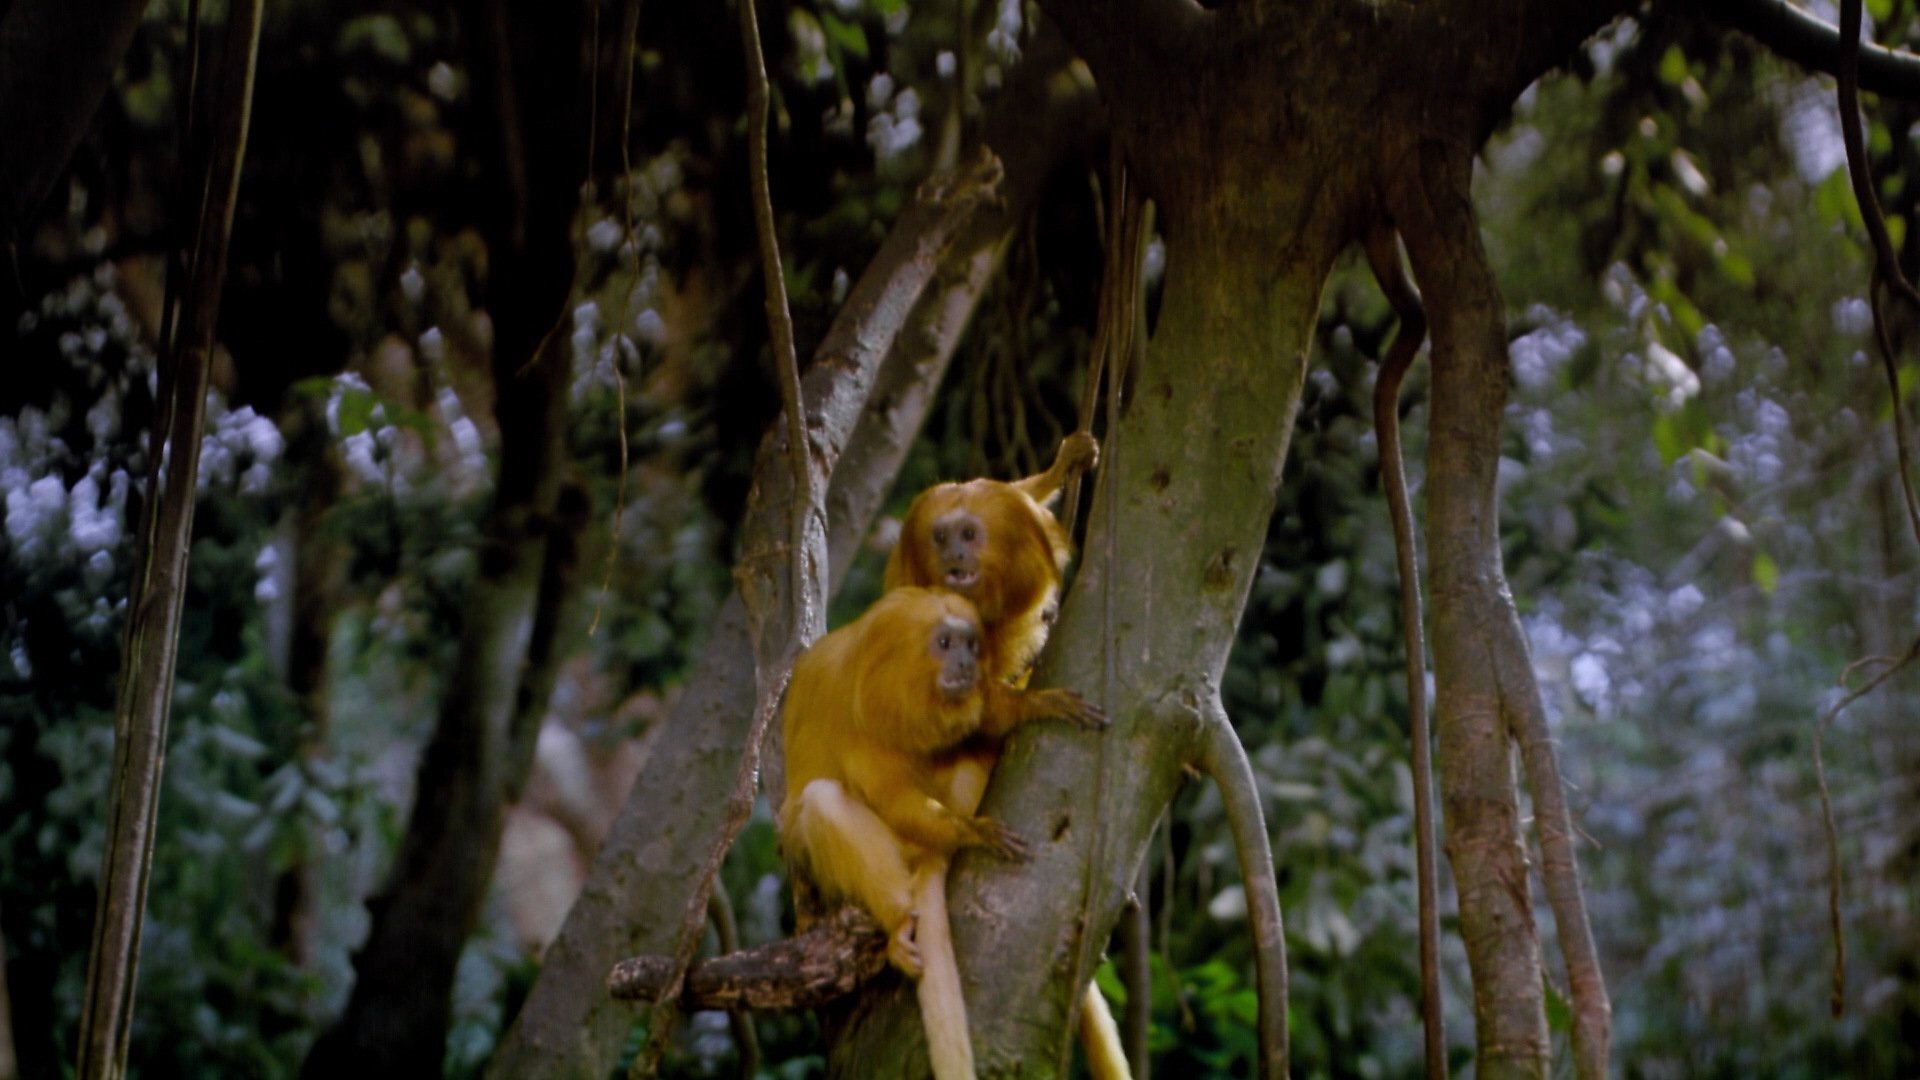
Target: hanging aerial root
{"x": 1887, "y": 274}
{"x": 1224, "y": 760}
{"x": 1886, "y": 262}
{"x": 779, "y": 636}
{"x": 1893, "y": 665}
{"x": 1129, "y": 222}
{"x": 727, "y": 929}
{"x": 1383, "y": 254}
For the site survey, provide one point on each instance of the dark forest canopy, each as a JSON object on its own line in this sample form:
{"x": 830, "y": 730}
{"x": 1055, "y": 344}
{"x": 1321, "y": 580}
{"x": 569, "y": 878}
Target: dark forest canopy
{"x": 478, "y": 568}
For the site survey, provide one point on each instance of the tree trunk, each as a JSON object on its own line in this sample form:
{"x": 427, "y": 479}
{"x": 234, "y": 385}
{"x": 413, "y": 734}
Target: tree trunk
{"x": 527, "y": 67}
{"x": 1199, "y": 451}
{"x": 1478, "y": 794}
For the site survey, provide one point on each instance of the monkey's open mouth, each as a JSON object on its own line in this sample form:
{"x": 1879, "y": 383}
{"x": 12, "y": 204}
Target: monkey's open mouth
{"x": 958, "y": 578}
{"x": 955, "y": 687}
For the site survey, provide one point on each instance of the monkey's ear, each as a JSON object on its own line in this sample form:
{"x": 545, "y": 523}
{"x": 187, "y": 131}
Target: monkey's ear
{"x": 903, "y": 561}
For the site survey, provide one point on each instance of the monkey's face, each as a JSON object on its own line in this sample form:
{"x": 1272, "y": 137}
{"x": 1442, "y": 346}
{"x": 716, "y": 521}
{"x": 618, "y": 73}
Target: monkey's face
{"x": 955, "y": 648}
{"x": 960, "y": 546}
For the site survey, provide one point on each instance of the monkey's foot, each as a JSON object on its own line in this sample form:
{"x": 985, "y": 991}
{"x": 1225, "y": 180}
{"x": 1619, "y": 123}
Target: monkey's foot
{"x": 902, "y": 950}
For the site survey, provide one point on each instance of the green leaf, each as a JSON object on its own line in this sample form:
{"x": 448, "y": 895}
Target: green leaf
{"x": 847, "y": 36}
{"x": 1834, "y": 200}
{"x": 1766, "y": 573}
{"x": 380, "y": 35}
{"x": 1737, "y": 269}
{"x": 1559, "y": 1014}
{"x": 356, "y": 410}
{"x": 1668, "y": 438}
{"x": 1673, "y": 66}
{"x": 1108, "y": 979}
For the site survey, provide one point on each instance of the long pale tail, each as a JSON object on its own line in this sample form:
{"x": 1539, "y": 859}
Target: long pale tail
{"x": 1100, "y": 1038}
{"x": 943, "y": 1009}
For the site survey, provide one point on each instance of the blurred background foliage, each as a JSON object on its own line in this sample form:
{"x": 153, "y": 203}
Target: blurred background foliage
{"x": 1701, "y": 525}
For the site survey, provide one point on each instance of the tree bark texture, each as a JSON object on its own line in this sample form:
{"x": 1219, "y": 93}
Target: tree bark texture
{"x": 476, "y": 761}
{"x": 910, "y": 307}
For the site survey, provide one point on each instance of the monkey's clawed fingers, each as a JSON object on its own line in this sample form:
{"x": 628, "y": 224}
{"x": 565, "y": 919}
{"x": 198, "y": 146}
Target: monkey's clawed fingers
{"x": 1000, "y": 840}
{"x": 1069, "y": 706}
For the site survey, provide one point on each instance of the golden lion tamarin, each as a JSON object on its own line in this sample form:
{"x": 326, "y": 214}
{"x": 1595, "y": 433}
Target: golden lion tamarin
{"x": 996, "y": 543}
{"x": 873, "y": 712}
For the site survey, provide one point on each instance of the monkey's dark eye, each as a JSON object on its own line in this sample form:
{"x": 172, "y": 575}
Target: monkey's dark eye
{"x": 944, "y": 642}
{"x": 968, "y": 534}
{"x": 939, "y": 536}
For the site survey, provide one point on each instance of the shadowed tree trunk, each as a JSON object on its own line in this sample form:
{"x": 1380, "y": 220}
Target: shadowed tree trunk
{"x": 528, "y": 80}
{"x": 57, "y": 59}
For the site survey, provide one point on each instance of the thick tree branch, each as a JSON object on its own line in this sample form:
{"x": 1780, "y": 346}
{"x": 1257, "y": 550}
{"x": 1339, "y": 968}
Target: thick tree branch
{"x": 832, "y": 959}
{"x": 1815, "y": 45}
{"x": 1206, "y": 432}
{"x": 1482, "y": 813}
{"x": 481, "y": 749}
